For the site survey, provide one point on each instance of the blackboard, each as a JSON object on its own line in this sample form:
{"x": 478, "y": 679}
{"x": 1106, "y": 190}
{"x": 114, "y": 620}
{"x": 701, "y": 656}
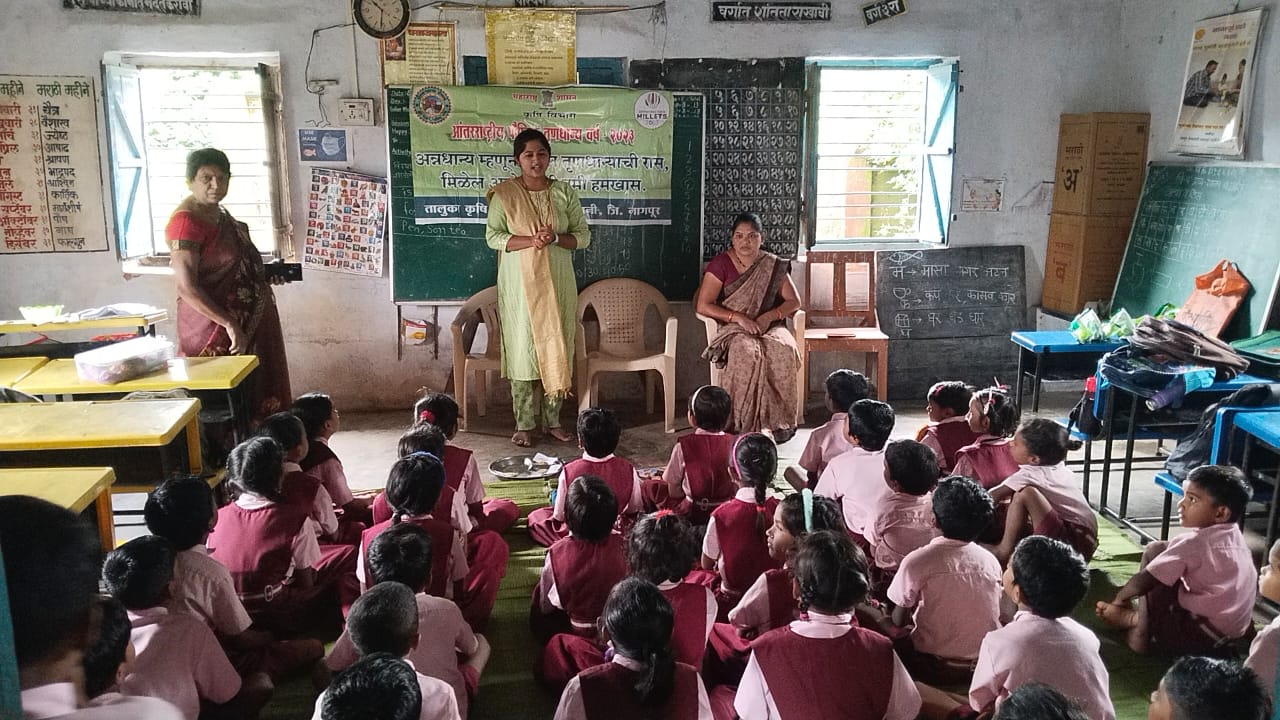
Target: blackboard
{"x": 443, "y": 262}
{"x": 1191, "y": 216}
{"x": 951, "y": 292}
{"x": 754, "y": 141}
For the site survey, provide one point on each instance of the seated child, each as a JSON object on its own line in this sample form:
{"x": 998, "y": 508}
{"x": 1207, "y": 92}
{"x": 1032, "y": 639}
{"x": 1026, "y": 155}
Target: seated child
{"x": 299, "y": 488}
{"x": 425, "y": 437}
{"x": 320, "y": 416}
{"x": 413, "y": 487}
{"x": 855, "y": 478}
{"x": 1038, "y": 702}
{"x": 1264, "y": 652}
{"x": 949, "y": 590}
{"x": 770, "y": 602}
{"x": 1043, "y": 494}
{"x": 642, "y": 679}
{"x": 177, "y": 658}
{"x": 270, "y": 549}
{"x": 47, "y": 546}
{"x": 804, "y": 669}
{"x": 581, "y": 569}
{"x": 1200, "y": 687}
{"x": 844, "y": 388}
{"x": 903, "y": 521}
{"x": 993, "y": 417}
{"x": 183, "y": 511}
{"x": 385, "y": 620}
{"x": 1046, "y": 578}
{"x": 598, "y": 435}
{"x": 734, "y": 545}
{"x": 1195, "y": 592}
{"x": 446, "y": 649}
{"x": 379, "y": 685}
{"x": 110, "y": 657}
{"x": 948, "y": 429}
{"x": 696, "y": 479}
{"x": 462, "y": 474}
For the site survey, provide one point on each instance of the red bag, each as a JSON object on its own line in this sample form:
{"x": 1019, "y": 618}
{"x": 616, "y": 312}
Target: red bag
{"x": 1217, "y": 296}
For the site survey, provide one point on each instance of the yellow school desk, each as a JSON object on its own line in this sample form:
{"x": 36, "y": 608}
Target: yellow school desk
{"x": 144, "y": 323}
{"x": 103, "y": 433}
{"x": 14, "y": 369}
{"x": 73, "y": 488}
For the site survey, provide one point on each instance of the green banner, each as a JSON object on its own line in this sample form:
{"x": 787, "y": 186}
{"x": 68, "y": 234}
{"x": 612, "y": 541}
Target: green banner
{"x": 612, "y": 145}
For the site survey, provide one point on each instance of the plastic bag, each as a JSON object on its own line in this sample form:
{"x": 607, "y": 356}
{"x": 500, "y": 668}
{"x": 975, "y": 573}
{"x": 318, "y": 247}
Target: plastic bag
{"x": 1119, "y": 326}
{"x": 1215, "y": 299}
{"x": 1086, "y": 327}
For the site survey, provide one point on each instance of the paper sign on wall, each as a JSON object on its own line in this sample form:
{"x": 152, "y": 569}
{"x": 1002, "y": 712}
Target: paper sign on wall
{"x": 531, "y": 47}
{"x": 425, "y": 54}
{"x": 346, "y": 222}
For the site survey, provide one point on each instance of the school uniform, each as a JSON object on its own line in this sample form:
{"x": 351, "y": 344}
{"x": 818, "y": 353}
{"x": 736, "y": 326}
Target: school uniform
{"x": 305, "y": 490}
{"x": 495, "y": 514}
{"x": 903, "y": 523}
{"x": 438, "y": 701}
{"x": 701, "y": 462}
{"x": 547, "y": 525}
{"x": 575, "y": 582}
{"x": 452, "y": 503}
{"x": 325, "y": 465}
{"x": 58, "y": 700}
{"x": 769, "y": 603}
{"x": 178, "y": 659}
{"x": 442, "y": 635}
{"x": 1060, "y": 653}
{"x": 1071, "y": 520}
{"x": 826, "y": 442}
{"x": 855, "y": 479}
{"x": 735, "y": 541}
{"x": 945, "y": 438}
{"x": 954, "y": 589}
{"x": 448, "y": 553}
{"x": 825, "y": 666}
{"x": 1264, "y": 653}
{"x": 605, "y": 692}
{"x": 1208, "y": 589}
{"x": 988, "y": 461}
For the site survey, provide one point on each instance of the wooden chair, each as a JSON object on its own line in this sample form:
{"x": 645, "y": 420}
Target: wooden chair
{"x": 840, "y": 305}
{"x": 620, "y": 305}
{"x": 481, "y": 308}
{"x": 797, "y": 328}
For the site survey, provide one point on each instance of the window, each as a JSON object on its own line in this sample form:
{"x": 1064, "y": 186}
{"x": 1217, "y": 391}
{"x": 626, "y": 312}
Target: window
{"x": 159, "y": 108}
{"x": 881, "y": 147}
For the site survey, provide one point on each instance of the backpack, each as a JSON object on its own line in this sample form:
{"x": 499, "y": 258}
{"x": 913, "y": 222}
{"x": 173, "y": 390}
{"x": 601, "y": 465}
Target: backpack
{"x": 1196, "y": 448}
{"x": 1170, "y": 340}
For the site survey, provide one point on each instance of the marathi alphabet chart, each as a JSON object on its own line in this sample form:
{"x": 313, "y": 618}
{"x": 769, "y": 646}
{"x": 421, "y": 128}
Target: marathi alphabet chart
{"x": 346, "y": 222}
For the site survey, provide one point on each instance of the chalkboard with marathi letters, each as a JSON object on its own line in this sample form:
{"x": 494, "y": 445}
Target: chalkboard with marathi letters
{"x": 754, "y": 141}
{"x": 450, "y": 262}
{"x": 951, "y": 292}
{"x": 1191, "y": 216}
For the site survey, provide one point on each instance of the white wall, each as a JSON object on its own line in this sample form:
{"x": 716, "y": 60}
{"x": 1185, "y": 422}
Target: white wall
{"x": 1023, "y": 62}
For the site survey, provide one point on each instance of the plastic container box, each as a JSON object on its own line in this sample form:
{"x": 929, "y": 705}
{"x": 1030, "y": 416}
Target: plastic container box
{"x": 123, "y": 360}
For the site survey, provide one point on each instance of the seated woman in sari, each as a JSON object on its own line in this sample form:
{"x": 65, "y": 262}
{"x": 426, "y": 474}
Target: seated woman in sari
{"x": 750, "y": 290}
{"x": 225, "y": 304}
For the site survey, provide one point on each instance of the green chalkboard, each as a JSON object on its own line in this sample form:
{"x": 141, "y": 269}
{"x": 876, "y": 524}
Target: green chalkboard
{"x": 1191, "y": 216}
{"x": 450, "y": 262}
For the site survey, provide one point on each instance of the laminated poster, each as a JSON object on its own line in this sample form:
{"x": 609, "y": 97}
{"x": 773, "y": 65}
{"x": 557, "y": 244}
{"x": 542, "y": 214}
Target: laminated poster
{"x": 1217, "y": 85}
{"x": 531, "y": 47}
{"x": 426, "y": 54}
{"x": 346, "y": 222}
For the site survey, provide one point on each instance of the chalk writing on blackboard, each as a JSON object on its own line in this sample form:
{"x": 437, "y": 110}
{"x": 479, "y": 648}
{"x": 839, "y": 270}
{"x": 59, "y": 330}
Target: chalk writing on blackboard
{"x": 952, "y": 292}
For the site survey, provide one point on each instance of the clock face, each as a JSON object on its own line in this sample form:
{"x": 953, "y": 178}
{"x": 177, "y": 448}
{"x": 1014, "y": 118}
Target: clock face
{"x": 382, "y": 18}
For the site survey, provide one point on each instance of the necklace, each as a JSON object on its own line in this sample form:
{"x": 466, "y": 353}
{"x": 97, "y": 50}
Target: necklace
{"x": 738, "y": 263}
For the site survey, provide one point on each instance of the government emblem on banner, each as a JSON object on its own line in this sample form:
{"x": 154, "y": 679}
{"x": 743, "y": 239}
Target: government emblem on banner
{"x": 432, "y": 105}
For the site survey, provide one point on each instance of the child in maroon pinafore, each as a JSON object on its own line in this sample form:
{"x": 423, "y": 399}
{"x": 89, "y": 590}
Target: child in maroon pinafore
{"x": 994, "y": 417}
{"x": 696, "y": 479}
{"x": 948, "y": 429}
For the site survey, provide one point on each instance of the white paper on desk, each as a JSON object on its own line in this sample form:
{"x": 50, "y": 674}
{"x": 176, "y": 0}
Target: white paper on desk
{"x": 114, "y": 310}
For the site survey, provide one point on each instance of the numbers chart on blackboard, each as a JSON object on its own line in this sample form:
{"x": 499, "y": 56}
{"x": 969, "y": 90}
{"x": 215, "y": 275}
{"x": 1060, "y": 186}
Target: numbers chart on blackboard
{"x": 951, "y": 292}
{"x": 754, "y": 154}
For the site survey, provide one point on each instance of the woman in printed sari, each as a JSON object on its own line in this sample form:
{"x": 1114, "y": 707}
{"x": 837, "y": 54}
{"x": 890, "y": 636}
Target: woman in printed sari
{"x": 225, "y": 304}
{"x": 750, "y": 290}
{"x": 536, "y": 223}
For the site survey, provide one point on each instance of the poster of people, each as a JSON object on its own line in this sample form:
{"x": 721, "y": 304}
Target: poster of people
{"x": 346, "y": 222}
{"x": 613, "y": 145}
{"x": 1216, "y": 86}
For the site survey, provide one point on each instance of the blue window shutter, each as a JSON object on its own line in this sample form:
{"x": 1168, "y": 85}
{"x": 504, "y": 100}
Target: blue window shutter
{"x": 940, "y": 145}
{"x": 128, "y": 153}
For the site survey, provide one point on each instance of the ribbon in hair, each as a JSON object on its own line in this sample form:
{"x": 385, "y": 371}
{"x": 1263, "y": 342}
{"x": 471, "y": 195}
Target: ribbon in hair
{"x": 806, "y": 497}
{"x": 663, "y": 513}
{"x": 428, "y": 416}
{"x": 422, "y": 453}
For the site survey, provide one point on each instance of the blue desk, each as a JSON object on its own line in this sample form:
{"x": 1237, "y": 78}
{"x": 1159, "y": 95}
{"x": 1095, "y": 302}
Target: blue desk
{"x": 1039, "y": 346}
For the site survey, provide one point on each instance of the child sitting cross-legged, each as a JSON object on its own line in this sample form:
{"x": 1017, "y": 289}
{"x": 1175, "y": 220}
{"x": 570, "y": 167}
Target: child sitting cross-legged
{"x": 598, "y": 434}
{"x": 1200, "y": 687}
{"x": 321, "y": 419}
{"x": 1039, "y": 702}
{"x": 855, "y": 478}
{"x": 446, "y": 649}
{"x": 379, "y": 686}
{"x": 948, "y": 430}
{"x": 844, "y": 388}
{"x": 385, "y": 620}
{"x": 948, "y": 590}
{"x": 993, "y": 417}
{"x": 903, "y": 521}
{"x": 109, "y": 658}
{"x": 1195, "y": 592}
{"x": 301, "y": 488}
{"x": 696, "y": 479}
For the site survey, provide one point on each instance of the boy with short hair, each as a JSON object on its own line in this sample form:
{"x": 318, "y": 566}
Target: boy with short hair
{"x": 903, "y": 521}
{"x": 1200, "y": 688}
{"x": 108, "y": 659}
{"x": 855, "y": 478}
{"x": 598, "y": 434}
{"x": 844, "y": 388}
{"x": 379, "y": 686}
{"x": 1195, "y": 592}
{"x": 948, "y": 430}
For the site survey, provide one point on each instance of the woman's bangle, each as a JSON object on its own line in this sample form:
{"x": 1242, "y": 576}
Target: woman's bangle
{"x": 731, "y": 315}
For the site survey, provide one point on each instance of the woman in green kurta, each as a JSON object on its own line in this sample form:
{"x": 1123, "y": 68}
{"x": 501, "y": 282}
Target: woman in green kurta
{"x": 536, "y": 223}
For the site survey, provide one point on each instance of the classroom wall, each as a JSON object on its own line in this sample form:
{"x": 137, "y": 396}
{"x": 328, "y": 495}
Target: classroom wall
{"x": 1023, "y": 62}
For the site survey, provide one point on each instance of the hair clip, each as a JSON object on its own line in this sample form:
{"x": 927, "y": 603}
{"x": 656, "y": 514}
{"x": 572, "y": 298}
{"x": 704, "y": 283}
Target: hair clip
{"x": 422, "y": 453}
{"x": 427, "y": 415}
{"x": 663, "y": 513}
{"x": 806, "y": 498}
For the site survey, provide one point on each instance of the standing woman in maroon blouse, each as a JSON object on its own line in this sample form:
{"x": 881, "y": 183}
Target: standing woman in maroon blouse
{"x": 225, "y": 304}
{"x": 750, "y": 291}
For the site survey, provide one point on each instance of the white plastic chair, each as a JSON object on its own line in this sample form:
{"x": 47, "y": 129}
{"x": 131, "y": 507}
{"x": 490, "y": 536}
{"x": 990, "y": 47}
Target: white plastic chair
{"x": 797, "y": 323}
{"x": 481, "y": 308}
{"x": 620, "y": 304}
